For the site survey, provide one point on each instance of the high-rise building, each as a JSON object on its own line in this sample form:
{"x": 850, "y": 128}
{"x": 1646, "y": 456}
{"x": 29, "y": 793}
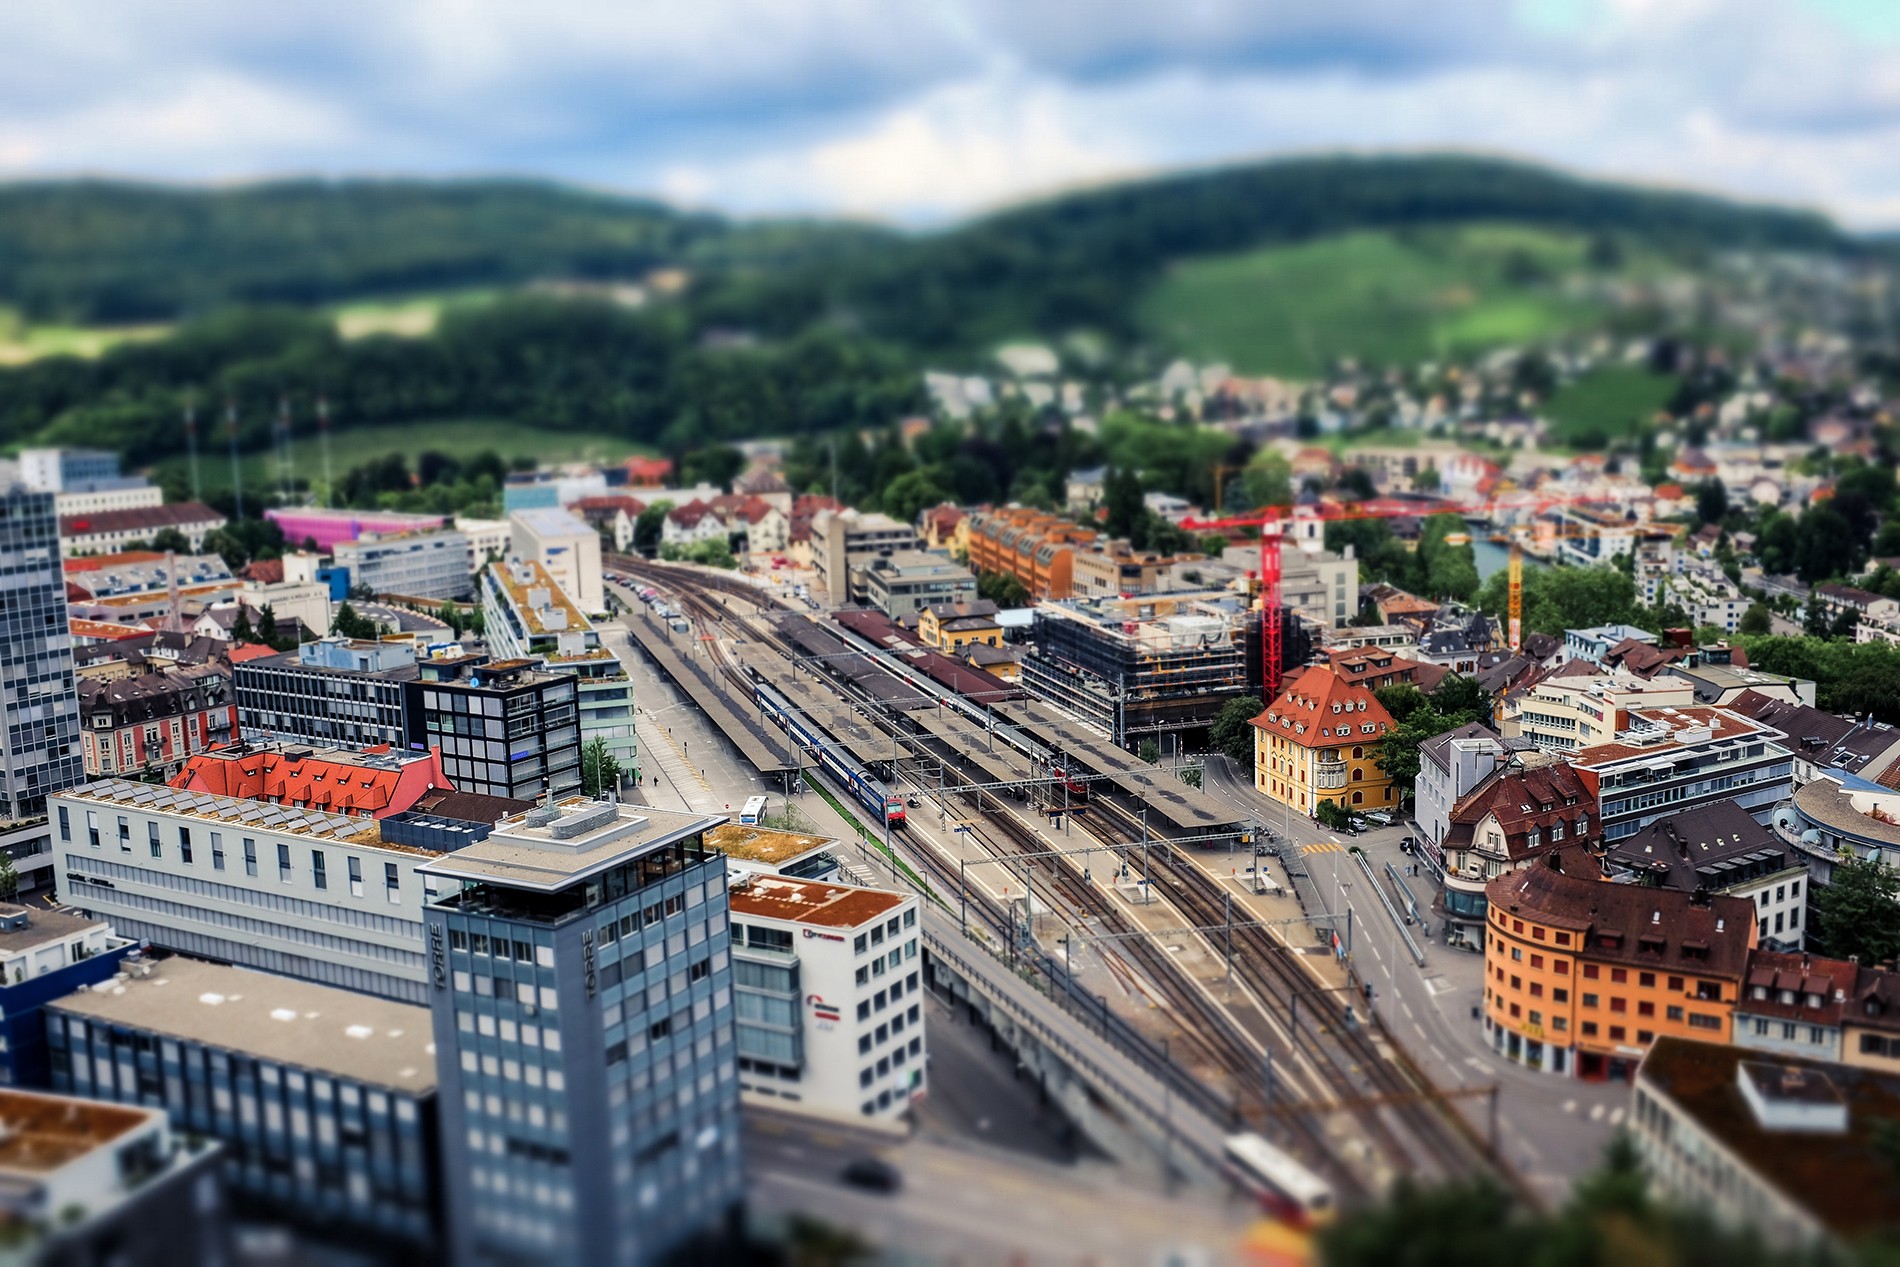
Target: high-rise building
{"x": 504, "y": 727}
{"x": 581, "y": 978}
{"x": 38, "y": 698}
{"x": 529, "y": 616}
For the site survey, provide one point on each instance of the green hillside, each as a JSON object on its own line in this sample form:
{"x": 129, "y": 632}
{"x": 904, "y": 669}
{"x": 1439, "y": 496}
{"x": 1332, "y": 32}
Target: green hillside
{"x": 1381, "y": 296}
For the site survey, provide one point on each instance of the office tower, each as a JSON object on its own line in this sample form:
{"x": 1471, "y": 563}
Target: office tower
{"x": 581, "y": 981}
{"x": 332, "y": 691}
{"x": 505, "y": 727}
{"x": 38, "y": 700}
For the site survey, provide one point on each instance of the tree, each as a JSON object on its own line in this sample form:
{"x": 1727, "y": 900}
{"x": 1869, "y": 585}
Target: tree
{"x": 1857, "y": 913}
{"x": 348, "y": 623}
{"x": 242, "y": 632}
{"x": 451, "y": 615}
{"x": 1122, "y": 498}
{"x": 9, "y": 877}
{"x": 600, "y": 769}
{"x": 1232, "y": 731}
{"x": 1267, "y": 481}
{"x": 1757, "y": 620}
{"x": 908, "y": 495}
{"x": 648, "y": 527}
{"x": 1711, "y": 502}
{"x": 1331, "y": 814}
{"x": 267, "y": 626}
{"x": 1149, "y": 751}
{"x": 171, "y": 539}
{"x": 1002, "y": 588}
{"x": 1814, "y": 619}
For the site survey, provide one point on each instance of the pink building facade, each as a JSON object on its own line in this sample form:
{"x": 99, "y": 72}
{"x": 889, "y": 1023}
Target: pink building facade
{"x": 327, "y": 527}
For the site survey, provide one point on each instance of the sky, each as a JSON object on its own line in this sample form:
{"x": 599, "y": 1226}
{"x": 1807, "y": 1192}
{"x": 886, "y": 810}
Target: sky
{"x": 923, "y": 111}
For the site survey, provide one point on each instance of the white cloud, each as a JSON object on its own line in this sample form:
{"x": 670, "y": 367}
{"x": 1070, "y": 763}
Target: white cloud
{"x": 922, "y": 111}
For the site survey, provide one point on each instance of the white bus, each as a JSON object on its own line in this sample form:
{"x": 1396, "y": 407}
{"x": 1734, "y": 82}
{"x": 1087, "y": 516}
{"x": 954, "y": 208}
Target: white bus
{"x": 754, "y": 812}
{"x": 1280, "y": 1183}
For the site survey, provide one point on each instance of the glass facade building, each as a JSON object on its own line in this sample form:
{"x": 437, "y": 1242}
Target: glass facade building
{"x": 38, "y": 699}
{"x": 582, "y": 988}
{"x": 323, "y": 1100}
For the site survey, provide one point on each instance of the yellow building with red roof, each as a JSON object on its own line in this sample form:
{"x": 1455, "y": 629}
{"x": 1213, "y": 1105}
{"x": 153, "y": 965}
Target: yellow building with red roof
{"x": 1319, "y": 741}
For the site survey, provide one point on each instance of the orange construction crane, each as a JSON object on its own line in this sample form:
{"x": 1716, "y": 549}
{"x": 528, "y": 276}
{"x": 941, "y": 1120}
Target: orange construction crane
{"x": 1274, "y": 521}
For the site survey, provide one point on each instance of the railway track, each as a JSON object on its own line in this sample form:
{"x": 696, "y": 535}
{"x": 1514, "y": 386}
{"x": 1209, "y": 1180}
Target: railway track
{"x": 1390, "y": 1100}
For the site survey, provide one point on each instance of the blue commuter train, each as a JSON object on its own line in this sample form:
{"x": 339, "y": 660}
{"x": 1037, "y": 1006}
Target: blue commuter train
{"x": 864, "y": 787}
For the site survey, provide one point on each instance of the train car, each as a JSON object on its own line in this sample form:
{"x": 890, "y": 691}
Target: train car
{"x": 1279, "y": 1182}
{"x": 753, "y": 812}
{"x": 863, "y": 787}
{"x": 1078, "y": 789}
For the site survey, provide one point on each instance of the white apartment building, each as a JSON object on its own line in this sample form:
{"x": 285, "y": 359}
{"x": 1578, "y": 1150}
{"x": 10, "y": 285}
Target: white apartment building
{"x": 430, "y": 564}
{"x": 130, "y": 494}
{"x": 271, "y": 885}
{"x": 529, "y": 617}
{"x": 564, "y": 544}
{"x": 829, "y": 985}
{"x": 487, "y": 540}
{"x": 1565, "y": 713}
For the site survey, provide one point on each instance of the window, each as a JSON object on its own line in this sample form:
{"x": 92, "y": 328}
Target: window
{"x": 1619, "y": 1004}
{"x": 1673, "y": 1012}
{"x": 65, "y": 825}
{"x": 317, "y": 873}
{"x": 1537, "y": 961}
{"x": 1702, "y": 1020}
{"x": 1675, "y": 983}
{"x": 283, "y": 862}
{"x": 1646, "y": 979}
{"x": 1645, "y": 1009}
{"x": 184, "y": 845}
{"x": 1617, "y": 1033}
{"x": 1561, "y": 967}
{"x": 151, "y": 839}
{"x": 1589, "y": 1029}
{"x": 1560, "y": 995}
{"x": 217, "y": 851}
{"x": 125, "y": 835}
{"x": 1590, "y": 972}
{"x": 250, "y": 856}
{"x": 92, "y": 828}
{"x": 1589, "y": 1000}
{"x": 1619, "y": 976}
{"x": 392, "y": 881}
{"x": 356, "y": 878}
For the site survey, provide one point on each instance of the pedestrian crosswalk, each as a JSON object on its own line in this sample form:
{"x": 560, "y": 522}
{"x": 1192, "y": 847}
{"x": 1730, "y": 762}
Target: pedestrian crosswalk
{"x": 1324, "y": 846}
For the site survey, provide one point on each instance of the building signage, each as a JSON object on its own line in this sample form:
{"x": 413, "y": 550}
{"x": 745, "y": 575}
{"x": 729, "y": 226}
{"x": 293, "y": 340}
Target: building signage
{"x": 587, "y": 959}
{"x": 812, "y": 932}
{"x": 438, "y": 957}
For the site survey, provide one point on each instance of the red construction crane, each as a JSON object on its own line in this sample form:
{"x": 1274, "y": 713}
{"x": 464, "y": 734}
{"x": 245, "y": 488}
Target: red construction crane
{"x": 1273, "y": 521}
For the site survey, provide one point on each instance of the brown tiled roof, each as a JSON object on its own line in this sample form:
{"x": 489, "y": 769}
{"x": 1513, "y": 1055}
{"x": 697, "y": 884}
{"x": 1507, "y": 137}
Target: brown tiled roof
{"x": 1517, "y": 797}
{"x": 1684, "y": 851}
{"x": 138, "y": 519}
{"x": 1832, "y": 980}
{"x": 1629, "y": 923}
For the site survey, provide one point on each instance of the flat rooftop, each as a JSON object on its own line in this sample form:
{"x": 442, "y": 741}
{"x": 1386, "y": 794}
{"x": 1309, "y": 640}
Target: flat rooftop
{"x": 339, "y": 1033}
{"x": 40, "y": 1133}
{"x": 811, "y": 901}
{"x": 760, "y": 844}
{"x": 552, "y": 848}
{"x": 43, "y": 925}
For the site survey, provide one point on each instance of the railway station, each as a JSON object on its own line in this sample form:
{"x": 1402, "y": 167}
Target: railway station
{"x": 766, "y": 752}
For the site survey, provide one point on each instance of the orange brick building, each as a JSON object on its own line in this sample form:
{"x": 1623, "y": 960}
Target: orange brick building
{"x": 1582, "y": 975}
{"x": 1035, "y": 547}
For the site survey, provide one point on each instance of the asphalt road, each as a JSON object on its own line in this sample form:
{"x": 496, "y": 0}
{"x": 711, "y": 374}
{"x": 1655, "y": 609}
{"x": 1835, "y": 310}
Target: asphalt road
{"x": 1553, "y": 1129}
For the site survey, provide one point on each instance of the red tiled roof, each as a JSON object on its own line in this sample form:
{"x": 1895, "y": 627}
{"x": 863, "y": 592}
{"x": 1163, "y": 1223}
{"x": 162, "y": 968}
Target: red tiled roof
{"x": 264, "y": 571}
{"x": 1319, "y": 709}
{"x": 138, "y": 519}
{"x": 246, "y": 652}
{"x": 339, "y": 787}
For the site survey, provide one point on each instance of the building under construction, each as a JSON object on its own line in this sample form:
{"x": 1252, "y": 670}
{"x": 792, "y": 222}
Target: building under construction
{"x": 1142, "y": 669}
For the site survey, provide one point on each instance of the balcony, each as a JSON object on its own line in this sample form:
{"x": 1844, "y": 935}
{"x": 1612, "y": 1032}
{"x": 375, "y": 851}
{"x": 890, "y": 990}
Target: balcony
{"x": 1329, "y": 775}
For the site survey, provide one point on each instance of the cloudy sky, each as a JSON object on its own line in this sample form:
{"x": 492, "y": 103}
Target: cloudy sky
{"x": 923, "y": 110}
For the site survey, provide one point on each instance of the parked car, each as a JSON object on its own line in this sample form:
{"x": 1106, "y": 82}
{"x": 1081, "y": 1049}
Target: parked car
{"x": 873, "y": 1174}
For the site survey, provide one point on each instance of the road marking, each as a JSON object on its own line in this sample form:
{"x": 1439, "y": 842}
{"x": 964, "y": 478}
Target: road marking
{"x": 1438, "y": 1055}
{"x": 1616, "y": 1116}
{"x": 1596, "y": 1113}
{"x": 1421, "y": 1031}
{"x": 1407, "y": 1009}
{"x": 1334, "y": 847}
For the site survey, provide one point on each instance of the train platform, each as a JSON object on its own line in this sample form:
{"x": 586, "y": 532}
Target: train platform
{"x": 820, "y": 703}
{"x": 1187, "y": 810}
{"x": 660, "y": 647}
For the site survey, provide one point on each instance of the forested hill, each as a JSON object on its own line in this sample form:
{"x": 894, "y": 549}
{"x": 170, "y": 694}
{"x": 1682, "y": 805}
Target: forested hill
{"x": 1078, "y": 259}
{"x": 105, "y": 252}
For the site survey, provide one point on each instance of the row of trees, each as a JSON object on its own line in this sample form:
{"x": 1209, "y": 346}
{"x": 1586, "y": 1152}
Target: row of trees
{"x": 545, "y": 362}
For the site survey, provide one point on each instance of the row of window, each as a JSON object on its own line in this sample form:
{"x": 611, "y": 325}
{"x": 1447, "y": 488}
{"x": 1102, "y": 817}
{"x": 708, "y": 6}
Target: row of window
{"x": 298, "y": 908}
{"x": 892, "y": 961}
{"x": 286, "y": 871}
